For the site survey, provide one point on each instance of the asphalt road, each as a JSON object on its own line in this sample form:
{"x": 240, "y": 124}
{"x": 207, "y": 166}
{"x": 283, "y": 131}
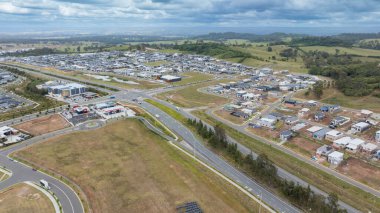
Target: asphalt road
{"x": 212, "y": 159}
{"x": 69, "y": 200}
{"x": 281, "y": 172}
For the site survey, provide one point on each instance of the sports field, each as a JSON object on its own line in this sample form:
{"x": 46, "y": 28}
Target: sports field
{"x": 22, "y": 198}
{"x": 43, "y": 125}
{"x": 123, "y": 167}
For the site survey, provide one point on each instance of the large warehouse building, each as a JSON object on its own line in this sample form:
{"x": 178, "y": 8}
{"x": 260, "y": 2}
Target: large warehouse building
{"x": 67, "y": 90}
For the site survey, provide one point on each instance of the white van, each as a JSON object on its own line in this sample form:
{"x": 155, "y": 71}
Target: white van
{"x": 45, "y": 184}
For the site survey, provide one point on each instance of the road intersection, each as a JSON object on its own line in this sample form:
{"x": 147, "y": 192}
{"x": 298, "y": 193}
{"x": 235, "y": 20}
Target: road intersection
{"x": 71, "y": 203}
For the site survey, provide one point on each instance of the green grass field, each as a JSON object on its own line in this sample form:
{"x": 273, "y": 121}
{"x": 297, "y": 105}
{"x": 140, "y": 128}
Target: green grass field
{"x": 190, "y": 97}
{"x": 333, "y": 96}
{"x": 192, "y": 77}
{"x": 343, "y": 50}
{"x": 22, "y": 198}
{"x": 130, "y": 169}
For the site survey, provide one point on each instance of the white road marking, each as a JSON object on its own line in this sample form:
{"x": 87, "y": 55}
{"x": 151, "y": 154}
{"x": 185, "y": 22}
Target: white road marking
{"x": 72, "y": 207}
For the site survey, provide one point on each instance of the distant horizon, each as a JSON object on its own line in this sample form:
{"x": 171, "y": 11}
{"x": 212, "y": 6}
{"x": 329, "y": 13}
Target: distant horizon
{"x": 194, "y": 31}
{"x": 184, "y": 17}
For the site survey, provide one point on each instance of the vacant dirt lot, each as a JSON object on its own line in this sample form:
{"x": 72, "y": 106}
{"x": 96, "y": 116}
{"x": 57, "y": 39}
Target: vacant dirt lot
{"x": 22, "y": 198}
{"x": 123, "y": 167}
{"x": 362, "y": 172}
{"x": 43, "y": 125}
{"x": 227, "y": 116}
{"x": 303, "y": 146}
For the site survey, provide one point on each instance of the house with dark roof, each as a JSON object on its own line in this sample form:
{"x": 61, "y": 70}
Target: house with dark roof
{"x": 320, "y": 135}
{"x": 286, "y": 135}
{"x": 319, "y": 116}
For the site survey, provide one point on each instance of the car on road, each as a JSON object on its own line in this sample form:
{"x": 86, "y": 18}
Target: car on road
{"x": 112, "y": 97}
{"x": 44, "y": 184}
{"x": 157, "y": 115}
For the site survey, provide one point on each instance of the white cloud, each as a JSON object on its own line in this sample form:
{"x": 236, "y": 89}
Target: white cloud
{"x": 8, "y": 7}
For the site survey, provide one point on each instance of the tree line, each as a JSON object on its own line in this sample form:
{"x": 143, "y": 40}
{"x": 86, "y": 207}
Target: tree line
{"x": 263, "y": 170}
{"x": 352, "y": 77}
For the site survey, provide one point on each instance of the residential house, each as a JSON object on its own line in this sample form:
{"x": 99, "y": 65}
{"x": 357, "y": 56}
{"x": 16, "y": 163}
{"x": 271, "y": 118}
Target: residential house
{"x": 240, "y": 114}
{"x": 335, "y": 158}
{"x": 276, "y": 115}
{"x": 304, "y": 112}
{"x": 314, "y": 129}
{"x": 369, "y": 148}
{"x": 298, "y": 127}
{"x": 324, "y": 109}
{"x": 377, "y": 136}
{"x": 231, "y": 107}
{"x": 334, "y": 108}
{"x": 341, "y": 142}
{"x": 377, "y": 154}
{"x": 248, "y": 111}
{"x": 330, "y": 108}
{"x": 268, "y": 122}
{"x": 319, "y": 116}
{"x": 339, "y": 121}
{"x": 286, "y": 135}
{"x": 333, "y": 135}
{"x": 324, "y": 151}
{"x": 240, "y": 93}
{"x": 360, "y": 127}
{"x": 366, "y": 113}
{"x": 320, "y": 135}
{"x": 290, "y": 103}
{"x": 291, "y": 120}
{"x": 354, "y": 145}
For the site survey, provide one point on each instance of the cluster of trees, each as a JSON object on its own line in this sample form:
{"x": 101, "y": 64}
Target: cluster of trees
{"x": 34, "y": 52}
{"x": 273, "y": 37}
{"x": 370, "y": 44}
{"x": 264, "y": 170}
{"x": 321, "y": 58}
{"x": 353, "y": 79}
{"x": 212, "y": 49}
{"x": 320, "y": 41}
{"x": 29, "y": 89}
{"x": 289, "y": 53}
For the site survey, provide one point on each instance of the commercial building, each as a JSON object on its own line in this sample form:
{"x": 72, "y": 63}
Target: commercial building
{"x": 67, "y": 90}
{"x": 170, "y": 78}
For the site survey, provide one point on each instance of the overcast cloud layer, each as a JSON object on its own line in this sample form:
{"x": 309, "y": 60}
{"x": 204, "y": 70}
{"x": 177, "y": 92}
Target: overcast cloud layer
{"x": 120, "y": 15}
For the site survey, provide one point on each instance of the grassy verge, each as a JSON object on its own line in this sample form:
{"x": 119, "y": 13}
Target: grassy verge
{"x": 23, "y": 198}
{"x": 190, "y": 96}
{"x": 63, "y": 77}
{"x": 350, "y": 194}
{"x": 131, "y": 169}
{"x": 27, "y": 90}
{"x": 333, "y": 96}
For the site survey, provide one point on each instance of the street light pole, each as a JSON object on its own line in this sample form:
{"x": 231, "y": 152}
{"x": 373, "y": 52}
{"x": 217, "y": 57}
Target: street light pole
{"x": 260, "y": 196}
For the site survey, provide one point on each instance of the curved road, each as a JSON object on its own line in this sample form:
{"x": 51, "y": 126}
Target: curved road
{"x": 202, "y": 152}
{"x": 20, "y": 173}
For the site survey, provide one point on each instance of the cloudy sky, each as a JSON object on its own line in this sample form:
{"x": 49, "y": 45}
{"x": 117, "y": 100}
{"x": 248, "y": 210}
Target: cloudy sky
{"x": 108, "y": 16}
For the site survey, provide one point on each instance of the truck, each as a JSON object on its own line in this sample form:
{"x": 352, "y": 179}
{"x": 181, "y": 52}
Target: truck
{"x": 45, "y": 184}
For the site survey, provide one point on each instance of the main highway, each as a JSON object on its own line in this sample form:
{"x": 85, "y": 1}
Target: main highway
{"x": 70, "y": 201}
